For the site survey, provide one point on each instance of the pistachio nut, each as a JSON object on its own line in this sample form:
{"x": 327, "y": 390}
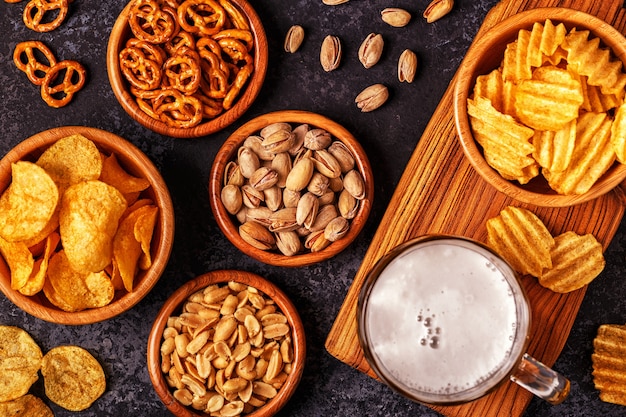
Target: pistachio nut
{"x": 241, "y": 214}
{"x": 330, "y": 53}
{"x": 251, "y": 197}
{"x": 354, "y": 184}
{"x": 299, "y": 132}
{"x": 347, "y": 205}
{"x": 255, "y": 142}
{"x": 407, "y": 66}
{"x": 318, "y": 184}
{"x": 290, "y": 198}
{"x": 437, "y": 9}
{"x": 327, "y": 198}
{"x": 371, "y": 49}
{"x": 342, "y": 154}
{"x": 395, "y": 17}
{"x": 326, "y": 163}
{"x": 248, "y": 161}
{"x": 307, "y": 209}
{"x": 282, "y": 165}
{"x": 259, "y": 215}
{"x": 316, "y": 241}
{"x": 294, "y": 38}
{"x": 324, "y": 215}
{"x": 283, "y": 220}
{"x": 257, "y": 235}
{"x": 273, "y": 197}
{"x": 372, "y": 97}
{"x": 288, "y": 243}
{"x": 336, "y": 184}
{"x": 334, "y": 2}
{"x": 300, "y": 174}
{"x": 316, "y": 139}
{"x": 232, "y": 198}
{"x": 273, "y": 128}
{"x": 279, "y": 141}
{"x": 232, "y": 174}
{"x": 336, "y": 229}
{"x": 263, "y": 178}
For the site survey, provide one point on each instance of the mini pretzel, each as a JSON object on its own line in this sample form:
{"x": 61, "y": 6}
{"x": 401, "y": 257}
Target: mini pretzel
{"x": 25, "y": 59}
{"x": 149, "y": 22}
{"x": 150, "y": 50}
{"x": 244, "y": 36}
{"x": 12, "y": 1}
{"x": 73, "y": 80}
{"x": 140, "y": 71}
{"x": 204, "y": 17}
{"x": 36, "y": 10}
{"x": 214, "y": 82}
{"x": 182, "y": 39}
{"x": 235, "y": 89}
{"x": 183, "y": 70}
{"x": 235, "y": 50}
{"x": 237, "y": 19}
{"x": 178, "y": 110}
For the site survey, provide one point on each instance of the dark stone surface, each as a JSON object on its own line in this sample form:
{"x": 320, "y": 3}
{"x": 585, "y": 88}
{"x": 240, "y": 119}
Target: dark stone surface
{"x": 389, "y": 135}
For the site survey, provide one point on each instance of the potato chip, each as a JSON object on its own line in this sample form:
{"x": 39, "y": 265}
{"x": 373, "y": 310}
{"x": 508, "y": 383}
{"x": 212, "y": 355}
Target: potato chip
{"x": 513, "y": 68}
{"x": 73, "y": 378}
{"x": 550, "y": 100}
{"x": 128, "y": 247}
{"x": 20, "y": 361}
{"x": 522, "y": 239}
{"x": 609, "y": 363}
{"x": 551, "y": 38}
{"x": 554, "y": 150}
{"x": 20, "y": 261}
{"x": 491, "y": 87}
{"x": 576, "y": 261}
{"x": 144, "y": 230}
{"x": 114, "y": 175}
{"x": 618, "y": 134}
{"x": 88, "y": 220}
{"x": 593, "y": 155}
{"x": 595, "y": 100}
{"x": 75, "y": 291}
{"x": 28, "y": 203}
{"x": 40, "y": 269}
{"x": 25, "y": 406}
{"x": 71, "y": 160}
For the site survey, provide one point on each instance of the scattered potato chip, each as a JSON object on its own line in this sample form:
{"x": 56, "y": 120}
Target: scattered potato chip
{"x": 71, "y": 160}
{"x": 576, "y": 261}
{"x": 28, "y": 203}
{"x": 522, "y": 239}
{"x": 25, "y": 406}
{"x": 20, "y": 261}
{"x": 88, "y": 219}
{"x": 73, "y": 378}
{"x": 20, "y": 361}
{"x": 609, "y": 363}
{"x": 75, "y": 291}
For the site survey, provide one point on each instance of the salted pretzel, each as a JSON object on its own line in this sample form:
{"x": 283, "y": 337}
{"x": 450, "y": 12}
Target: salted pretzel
{"x": 139, "y": 70}
{"x": 182, "y": 39}
{"x": 58, "y": 94}
{"x": 152, "y": 23}
{"x": 37, "y": 14}
{"x": 12, "y": 1}
{"x": 235, "y": 89}
{"x": 237, "y": 19}
{"x": 26, "y": 57}
{"x": 183, "y": 71}
{"x": 202, "y": 17}
{"x": 244, "y": 36}
{"x": 150, "y": 50}
{"x": 178, "y": 110}
{"x": 235, "y": 50}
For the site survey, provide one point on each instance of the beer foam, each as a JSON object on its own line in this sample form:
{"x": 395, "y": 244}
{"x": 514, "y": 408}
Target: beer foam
{"x": 441, "y": 318}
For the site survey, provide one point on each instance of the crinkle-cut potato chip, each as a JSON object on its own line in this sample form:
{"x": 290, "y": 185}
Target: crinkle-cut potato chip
{"x": 586, "y": 57}
{"x": 73, "y": 378}
{"x": 512, "y": 69}
{"x": 491, "y": 87}
{"x": 551, "y": 37}
{"x": 595, "y": 100}
{"x": 593, "y": 156}
{"x": 576, "y": 261}
{"x": 71, "y": 291}
{"x": 20, "y": 361}
{"x": 609, "y": 363}
{"x": 133, "y": 233}
{"x": 508, "y": 98}
{"x": 88, "y": 219}
{"x": 40, "y": 269}
{"x": 554, "y": 150}
{"x": 25, "y": 406}
{"x": 28, "y": 203}
{"x": 71, "y": 160}
{"x": 550, "y": 100}
{"x": 114, "y": 175}
{"x": 618, "y": 134}
{"x": 522, "y": 239}
{"x": 20, "y": 261}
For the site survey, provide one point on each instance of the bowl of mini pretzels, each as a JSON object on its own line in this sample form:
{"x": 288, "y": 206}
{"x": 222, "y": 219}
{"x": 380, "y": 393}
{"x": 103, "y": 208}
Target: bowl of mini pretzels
{"x": 187, "y": 69}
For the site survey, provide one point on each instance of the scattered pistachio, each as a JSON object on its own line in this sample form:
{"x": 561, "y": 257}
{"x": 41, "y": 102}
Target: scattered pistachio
{"x": 371, "y": 49}
{"x": 334, "y": 2}
{"x": 437, "y": 9}
{"x": 372, "y": 97}
{"x": 330, "y": 54}
{"x": 395, "y": 17}
{"x": 407, "y": 66}
{"x": 294, "y": 38}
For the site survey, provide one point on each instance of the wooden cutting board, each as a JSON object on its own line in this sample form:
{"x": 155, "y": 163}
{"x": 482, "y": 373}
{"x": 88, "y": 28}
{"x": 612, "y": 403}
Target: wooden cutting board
{"x": 440, "y": 192}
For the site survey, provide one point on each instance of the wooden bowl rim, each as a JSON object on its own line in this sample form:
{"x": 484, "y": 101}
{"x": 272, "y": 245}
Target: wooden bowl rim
{"x": 127, "y": 153}
{"x": 229, "y": 148}
{"x": 492, "y": 41}
{"x": 121, "y": 31}
{"x": 175, "y": 301}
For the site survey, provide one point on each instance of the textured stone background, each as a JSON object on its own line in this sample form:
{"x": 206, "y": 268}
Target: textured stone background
{"x": 389, "y": 135}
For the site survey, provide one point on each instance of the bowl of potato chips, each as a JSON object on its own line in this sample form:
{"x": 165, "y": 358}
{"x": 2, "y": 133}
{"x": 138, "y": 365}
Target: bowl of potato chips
{"x": 187, "y": 69}
{"x": 86, "y": 225}
{"x": 539, "y": 106}
{"x": 241, "y": 341}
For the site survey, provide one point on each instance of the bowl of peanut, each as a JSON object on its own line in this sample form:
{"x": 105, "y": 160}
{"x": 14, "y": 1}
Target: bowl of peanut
{"x": 226, "y": 343}
{"x": 187, "y": 69}
{"x": 291, "y": 188}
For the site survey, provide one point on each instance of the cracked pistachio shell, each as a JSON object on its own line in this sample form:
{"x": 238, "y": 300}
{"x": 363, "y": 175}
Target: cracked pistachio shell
{"x": 279, "y": 141}
{"x": 248, "y": 161}
{"x": 255, "y": 142}
{"x": 347, "y": 205}
{"x": 232, "y": 174}
{"x": 316, "y": 139}
{"x": 257, "y": 235}
{"x": 324, "y": 215}
{"x": 251, "y": 196}
{"x": 336, "y": 229}
{"x": 318, "y": 184}
{"x": 316, "y": 241}
{"x": 326, "y": 163}
{"x": 293, "y": 39}
{"x": 343, "y": 155}
{"x": 371, "y": 50}
{"x": 307, "y": 209}
{"x": 231, "y": 198}
{"x": 354, "y": 184}
{"x": 290, "y": 197}
{"x": 437, "y": 9}
{"x": 283, "y": 220}
{"x": 330, "y": 53}
{"x": 395, "y": 17}
{"x": 263, "y": 178}
{"x": 288, "y": 243}
{"x": 372, "y": 97}
{"x": 259, "y": 215}
{"x": 273, "y": 198}
{"x": 334, "y": 2}
{"x": 273, "y": 128}
{"x": 407, "y": 66}
{"x": 299, "y": 132}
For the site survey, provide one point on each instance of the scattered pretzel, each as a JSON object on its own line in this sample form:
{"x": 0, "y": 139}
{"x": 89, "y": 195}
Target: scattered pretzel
{"x": 58, "y": 94}
{"x": 26, "y": 59}
{"x": 37, "y": 12}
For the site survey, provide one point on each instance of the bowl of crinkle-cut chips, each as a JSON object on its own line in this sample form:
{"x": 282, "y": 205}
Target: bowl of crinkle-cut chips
{"x": 86, "y": 225}
{"x": 539, "y": 106}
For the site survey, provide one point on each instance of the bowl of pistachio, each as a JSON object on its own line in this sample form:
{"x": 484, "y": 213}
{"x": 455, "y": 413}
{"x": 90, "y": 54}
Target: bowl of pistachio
{"x": 291, "y": 188}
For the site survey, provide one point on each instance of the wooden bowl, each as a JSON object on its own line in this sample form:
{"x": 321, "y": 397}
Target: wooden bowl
{"x": 484, "y": 56}
{"x": 229, "y": 225}
{"x": 121, "y": 33}
{"x": 173, "y": 306}
{"x": 136, "y": 163}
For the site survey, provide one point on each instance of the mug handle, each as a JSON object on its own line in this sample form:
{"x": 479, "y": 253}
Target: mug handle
{"x": 542, "y": 381}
